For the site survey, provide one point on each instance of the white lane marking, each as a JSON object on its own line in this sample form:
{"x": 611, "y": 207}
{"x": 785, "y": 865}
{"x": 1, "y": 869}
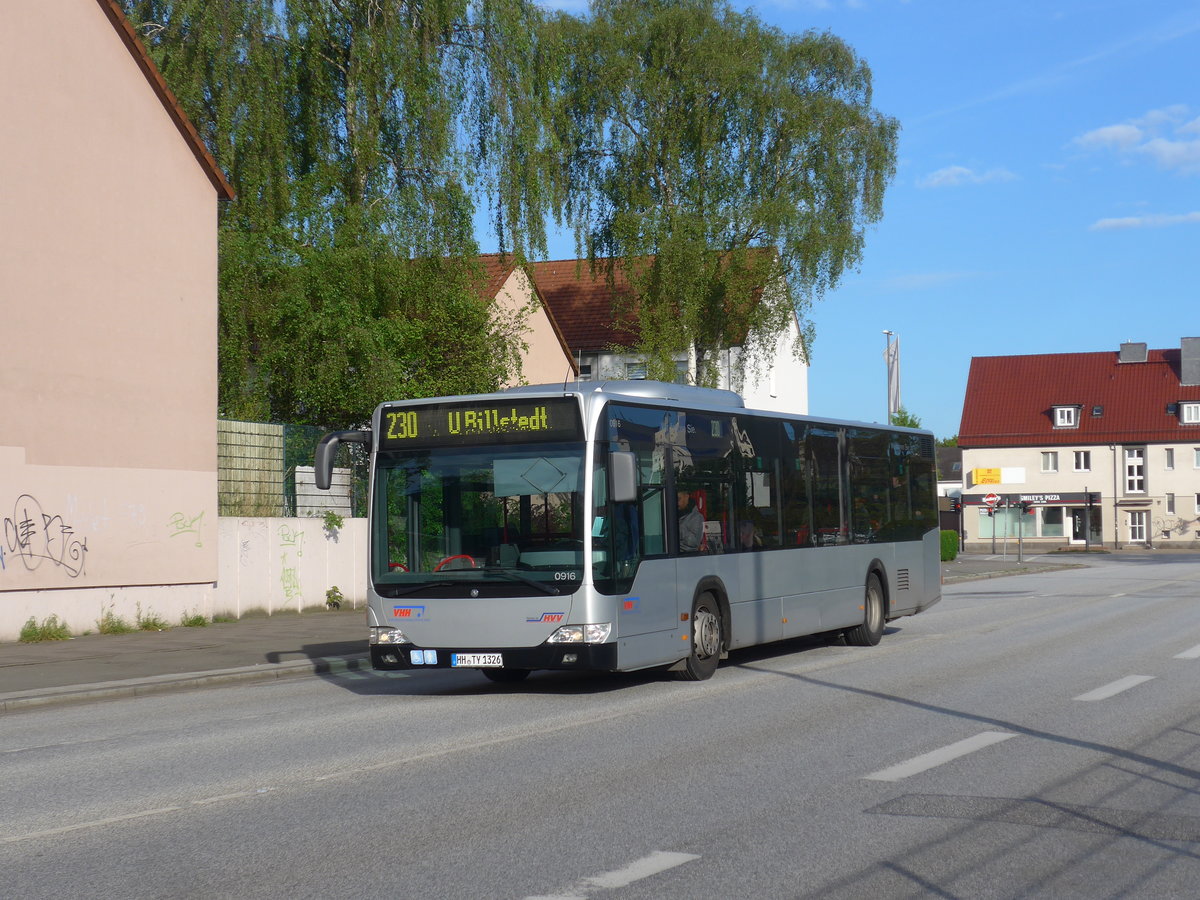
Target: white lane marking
{"x": 1194, "y": 653}
{"x": 656, "y": 862}
{"x": 1116, "y": 687}
{"x": 939, "y": 756}
{"x": 50, "y": 832}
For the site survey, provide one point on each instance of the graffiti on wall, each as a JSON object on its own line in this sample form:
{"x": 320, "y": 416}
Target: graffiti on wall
{"x": 289, "y": 579}
{"x": 35, "y": 538}
{"x": 183, "y": 524}
{"x": 291, "y": 539}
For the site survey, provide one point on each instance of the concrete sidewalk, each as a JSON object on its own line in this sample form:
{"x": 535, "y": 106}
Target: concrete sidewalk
{"x": 254, "y": 648}
{"x": 257, "y": 648}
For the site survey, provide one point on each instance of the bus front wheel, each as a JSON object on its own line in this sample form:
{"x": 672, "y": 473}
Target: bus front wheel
{"x": 871, "y": 630}
{"x": 706, "y": 640}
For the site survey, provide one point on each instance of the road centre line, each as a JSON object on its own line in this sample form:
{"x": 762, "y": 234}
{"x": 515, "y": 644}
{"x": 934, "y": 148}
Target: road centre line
{"x": 1193, "y": 653}
{"x": 937, "y": 757}
{"x": 65, "y": 829}
{"x": 1114, "y": 688}
{"x": 653, "y": 864}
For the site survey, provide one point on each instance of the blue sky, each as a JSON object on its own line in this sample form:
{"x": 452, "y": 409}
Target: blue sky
{"x": 1046, "y": 200}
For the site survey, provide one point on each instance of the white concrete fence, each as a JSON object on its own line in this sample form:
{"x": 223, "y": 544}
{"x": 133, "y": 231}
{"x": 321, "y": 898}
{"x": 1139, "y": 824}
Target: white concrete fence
{"x": 269, "y": 565}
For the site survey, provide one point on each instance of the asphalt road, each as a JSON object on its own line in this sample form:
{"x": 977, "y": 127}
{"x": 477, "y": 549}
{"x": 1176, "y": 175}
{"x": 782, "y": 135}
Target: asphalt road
{"x": 1034, "y": 736}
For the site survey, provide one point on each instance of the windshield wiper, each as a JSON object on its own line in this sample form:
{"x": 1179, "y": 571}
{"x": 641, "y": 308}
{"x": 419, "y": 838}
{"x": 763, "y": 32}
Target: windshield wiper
{"x": 399, "y": 591}
{"x": 516, "y": 576}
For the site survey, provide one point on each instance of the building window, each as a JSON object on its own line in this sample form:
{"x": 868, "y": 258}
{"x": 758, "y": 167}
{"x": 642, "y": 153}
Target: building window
{"x": 1189, "y": 413}
{"x": 1052, "y": 521}
{"x": 1066, "y": 416}
{"x": 1049, "y": 460}
{"x": 1083, "y": 460}
{"x": 1137, "y": 527}
{"x": 1198, "y": 504}
{"x": 1196, "y": 458}
{"x": 1170, "y": 504}
{"x": 1135, "y": 470}
{"x": 635, "y": 371}
{"x": 1170, "y": 453}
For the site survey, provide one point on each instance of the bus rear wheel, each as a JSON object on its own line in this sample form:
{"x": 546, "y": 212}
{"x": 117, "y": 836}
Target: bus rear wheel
{"x": 706, "y": 640}
{"x": 505, "y": 676}
{"x": 871, "y": 630}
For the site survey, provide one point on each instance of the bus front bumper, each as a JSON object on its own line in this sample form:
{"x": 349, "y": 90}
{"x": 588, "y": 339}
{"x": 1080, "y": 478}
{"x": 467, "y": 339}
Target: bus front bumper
{"x": 579, "y": 657}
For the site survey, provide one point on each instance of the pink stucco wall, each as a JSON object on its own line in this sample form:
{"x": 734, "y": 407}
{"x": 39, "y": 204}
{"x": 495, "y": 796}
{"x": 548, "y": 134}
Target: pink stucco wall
{"x": 108, "y": 304}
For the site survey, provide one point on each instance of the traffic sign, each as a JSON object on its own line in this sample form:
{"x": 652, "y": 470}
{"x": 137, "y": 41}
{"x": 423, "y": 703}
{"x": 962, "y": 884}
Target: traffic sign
{"x": 991, "y": 499}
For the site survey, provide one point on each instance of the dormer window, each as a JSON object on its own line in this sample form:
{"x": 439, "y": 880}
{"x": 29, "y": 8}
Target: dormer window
{"x": 1189, "y": 413}
{"x": 1066, "y": 417}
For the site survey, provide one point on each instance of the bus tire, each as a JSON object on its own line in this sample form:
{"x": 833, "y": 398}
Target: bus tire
{"x": 505, "y": 676}
{"x": 871, "y": 630}
{"x": 707, "y": 639}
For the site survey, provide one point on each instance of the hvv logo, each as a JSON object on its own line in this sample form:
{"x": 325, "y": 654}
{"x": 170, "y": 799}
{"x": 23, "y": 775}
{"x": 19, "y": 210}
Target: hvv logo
{"x": 548, "y": 617}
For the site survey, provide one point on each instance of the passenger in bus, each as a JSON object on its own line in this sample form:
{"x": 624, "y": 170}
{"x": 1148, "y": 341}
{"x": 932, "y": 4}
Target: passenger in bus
{"x": 748, "y": 538}
{"x": 691, "y": 524}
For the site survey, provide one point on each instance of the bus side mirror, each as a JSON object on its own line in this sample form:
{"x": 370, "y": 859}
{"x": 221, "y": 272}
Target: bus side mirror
{"x": 327, "y": 450}
{"x": 622, "y": 479}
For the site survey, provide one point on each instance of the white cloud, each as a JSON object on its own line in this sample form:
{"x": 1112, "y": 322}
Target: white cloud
{"x": 1120, "y": 136}
{"x": 957, "y": 176}
{"x": 1165, "y": 135}
{"x": 1181, "y": 155}
{"x": 1155, "y": 220}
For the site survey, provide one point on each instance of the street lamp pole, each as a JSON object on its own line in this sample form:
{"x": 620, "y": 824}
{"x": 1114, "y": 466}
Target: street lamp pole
{"x": 887, "y": 384}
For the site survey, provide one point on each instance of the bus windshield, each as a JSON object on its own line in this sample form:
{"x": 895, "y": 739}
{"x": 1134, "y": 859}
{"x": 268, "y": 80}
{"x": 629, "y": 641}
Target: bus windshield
{"x": 479, "y": 521}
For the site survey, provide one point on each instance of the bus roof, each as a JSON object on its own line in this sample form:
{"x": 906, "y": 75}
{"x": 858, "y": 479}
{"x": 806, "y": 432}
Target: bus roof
{"x": 644, "y": 389}
{"x": 640, "y": 389}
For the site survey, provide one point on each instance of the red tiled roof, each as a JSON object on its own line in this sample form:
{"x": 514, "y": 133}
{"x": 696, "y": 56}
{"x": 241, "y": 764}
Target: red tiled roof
{"x": 1010, "y": 399}
{"x": 129, "y": 37}
{"x": 496, "y": 268}
{"x": 582, "y": 303}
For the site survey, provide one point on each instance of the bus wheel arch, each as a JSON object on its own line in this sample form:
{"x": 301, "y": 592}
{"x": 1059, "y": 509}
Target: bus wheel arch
{"x": 875, "y": 611}
{"x": 708, "y": 624}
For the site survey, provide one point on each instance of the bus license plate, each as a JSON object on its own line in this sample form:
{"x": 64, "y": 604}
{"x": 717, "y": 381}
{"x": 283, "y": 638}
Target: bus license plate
{"x": 477, "y": 660}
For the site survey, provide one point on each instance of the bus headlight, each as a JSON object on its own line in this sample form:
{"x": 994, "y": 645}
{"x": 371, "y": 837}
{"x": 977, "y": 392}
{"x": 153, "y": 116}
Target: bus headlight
{"x": 581, "y": 634}
{"x": 388, "y": 636}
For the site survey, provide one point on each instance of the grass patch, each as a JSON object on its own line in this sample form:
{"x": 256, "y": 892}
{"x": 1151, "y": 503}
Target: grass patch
{"x": 150, "y": 621}
{"x": 223, "y": 619}
{"x": 52, "y": 628}
{"x": 111, "y": 623}
{"x": 193, "y": 620}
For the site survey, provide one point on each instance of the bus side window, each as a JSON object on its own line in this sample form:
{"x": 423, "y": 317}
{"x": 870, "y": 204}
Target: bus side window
{"x": 793, "y": 477}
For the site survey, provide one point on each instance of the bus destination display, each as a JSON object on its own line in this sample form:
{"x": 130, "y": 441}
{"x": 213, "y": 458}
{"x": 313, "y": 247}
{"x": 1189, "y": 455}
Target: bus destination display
{"x": 464, "y": 424}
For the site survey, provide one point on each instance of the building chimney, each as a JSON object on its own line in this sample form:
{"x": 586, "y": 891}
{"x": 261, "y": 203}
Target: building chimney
{"x": 1189, "y": 362}
{"x": 1132, "y": 353}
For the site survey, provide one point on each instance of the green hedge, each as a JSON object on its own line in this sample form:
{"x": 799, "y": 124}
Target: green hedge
{"x": 949, "y": 545}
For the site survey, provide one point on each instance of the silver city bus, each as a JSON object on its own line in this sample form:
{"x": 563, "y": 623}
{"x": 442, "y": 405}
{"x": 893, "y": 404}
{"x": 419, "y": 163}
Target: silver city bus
{"x": 624, "y": 525}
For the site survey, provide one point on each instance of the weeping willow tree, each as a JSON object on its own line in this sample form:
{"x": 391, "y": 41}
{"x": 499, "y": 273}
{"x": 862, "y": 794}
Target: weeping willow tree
{"x": 358, "y": 135}
{"x": 709, "y": 157}
{"x": 726, "y": 169}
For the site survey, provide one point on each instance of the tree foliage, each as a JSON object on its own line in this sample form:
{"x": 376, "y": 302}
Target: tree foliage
{"x": 705, "y": 153}
{"x": 356, "y": 134}
{"x": 905, "y": 419}
{"x": 729, "y": 169}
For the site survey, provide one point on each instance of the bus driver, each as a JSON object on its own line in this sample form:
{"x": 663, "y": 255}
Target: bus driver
{"x": 691, "y": 524}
